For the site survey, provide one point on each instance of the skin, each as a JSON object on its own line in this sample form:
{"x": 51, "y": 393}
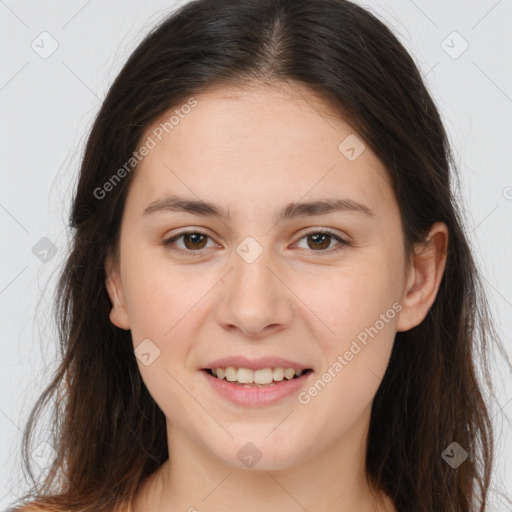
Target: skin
{"x": 253, "y": 150}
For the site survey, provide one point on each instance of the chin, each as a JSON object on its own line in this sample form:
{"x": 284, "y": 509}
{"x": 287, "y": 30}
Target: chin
{"x": 255, "y": 450}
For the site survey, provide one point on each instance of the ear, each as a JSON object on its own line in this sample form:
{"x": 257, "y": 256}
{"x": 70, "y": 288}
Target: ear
{"x": 118, "y": 313}
{"x": 424, "y": 277}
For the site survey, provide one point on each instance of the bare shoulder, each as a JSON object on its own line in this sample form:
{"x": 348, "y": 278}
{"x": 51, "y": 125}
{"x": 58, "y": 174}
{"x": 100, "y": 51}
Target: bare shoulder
{"x": 38, "y": 507}
{"x": 26, "y": 508}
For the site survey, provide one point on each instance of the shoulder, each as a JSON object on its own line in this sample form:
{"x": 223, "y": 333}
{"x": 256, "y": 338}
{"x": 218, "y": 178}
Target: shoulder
{"x": 25, "y": 508}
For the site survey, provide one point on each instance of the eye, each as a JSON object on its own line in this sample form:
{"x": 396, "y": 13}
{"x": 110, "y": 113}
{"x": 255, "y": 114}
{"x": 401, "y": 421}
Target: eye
{"x": 320, "y": 241}
{"x": 194, "y": 241}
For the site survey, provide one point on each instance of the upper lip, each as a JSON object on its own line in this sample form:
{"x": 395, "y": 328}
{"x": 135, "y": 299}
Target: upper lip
{"x": 255, "y": 364}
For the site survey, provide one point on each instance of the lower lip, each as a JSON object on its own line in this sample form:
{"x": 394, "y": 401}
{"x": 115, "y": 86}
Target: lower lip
{"x": 256, "y": 396}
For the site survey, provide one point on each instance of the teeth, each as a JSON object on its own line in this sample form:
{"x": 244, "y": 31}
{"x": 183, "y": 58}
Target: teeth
{"x": 245, "y": 376}
{"x": 264, "y": 376}
{"x": 231, "y": 373}
{"x": 278, "y": 374}
{"x": 289, "y": 373}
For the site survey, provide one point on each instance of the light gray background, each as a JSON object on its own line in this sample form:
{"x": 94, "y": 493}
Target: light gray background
{"x": 47, "y": 107}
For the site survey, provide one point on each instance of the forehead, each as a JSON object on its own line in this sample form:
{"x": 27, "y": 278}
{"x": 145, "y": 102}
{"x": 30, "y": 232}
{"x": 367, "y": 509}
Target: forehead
{"x": 257, "y": 142}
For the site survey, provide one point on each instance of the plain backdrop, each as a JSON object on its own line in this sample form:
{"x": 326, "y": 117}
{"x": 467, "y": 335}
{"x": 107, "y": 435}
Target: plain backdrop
{"x": 58, "y": 59}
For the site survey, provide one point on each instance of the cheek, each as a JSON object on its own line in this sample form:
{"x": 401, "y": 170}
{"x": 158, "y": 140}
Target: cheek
{"x": 158, "y": 295}
{"x": 161, "y": 309}
{"x": 359, "y": 310}
{"x": 166, "y": 305}
{"x": 344, "y": 301}
{"x": 354, "y": 364}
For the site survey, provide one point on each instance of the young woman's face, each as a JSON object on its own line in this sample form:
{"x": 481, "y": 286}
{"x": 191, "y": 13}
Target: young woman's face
{"x": 264, "y": 282}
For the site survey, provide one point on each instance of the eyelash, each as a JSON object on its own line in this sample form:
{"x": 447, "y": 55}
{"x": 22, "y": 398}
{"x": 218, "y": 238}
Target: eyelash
{"x": 187, "y": 252}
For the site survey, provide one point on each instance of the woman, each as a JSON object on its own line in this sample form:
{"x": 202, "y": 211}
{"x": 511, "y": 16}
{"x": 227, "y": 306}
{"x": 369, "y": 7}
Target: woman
{"x": 270, "y": 301}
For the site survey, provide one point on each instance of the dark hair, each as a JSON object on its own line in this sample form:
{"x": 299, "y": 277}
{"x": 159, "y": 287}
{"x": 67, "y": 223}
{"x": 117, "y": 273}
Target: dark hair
{"x": 109, "y": 432}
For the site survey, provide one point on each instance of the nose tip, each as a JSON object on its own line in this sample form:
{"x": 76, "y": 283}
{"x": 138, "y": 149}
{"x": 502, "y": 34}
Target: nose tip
{"x": 254, "y": 301}
{"x": 253, "y": 330}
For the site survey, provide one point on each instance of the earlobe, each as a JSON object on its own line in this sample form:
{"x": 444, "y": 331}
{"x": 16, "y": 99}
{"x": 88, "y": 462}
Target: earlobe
{"x": 424, "y": 278}
{"x": 118, "y": 314}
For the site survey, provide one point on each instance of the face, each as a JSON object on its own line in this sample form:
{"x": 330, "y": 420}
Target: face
{"x": 296, "y": 262}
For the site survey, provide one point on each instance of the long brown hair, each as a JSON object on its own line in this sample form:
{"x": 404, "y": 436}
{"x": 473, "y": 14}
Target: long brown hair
{"x": 109, "y": 434}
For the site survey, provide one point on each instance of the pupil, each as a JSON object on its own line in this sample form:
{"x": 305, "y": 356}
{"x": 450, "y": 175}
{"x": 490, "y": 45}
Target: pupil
{"x": 322, "y": 238}
{"x": 195, "y": 237}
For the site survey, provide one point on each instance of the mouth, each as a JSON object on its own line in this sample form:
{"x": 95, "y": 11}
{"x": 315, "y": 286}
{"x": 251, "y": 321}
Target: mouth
{"x": 256, "y": 382}
{"x": 257, "y": 378}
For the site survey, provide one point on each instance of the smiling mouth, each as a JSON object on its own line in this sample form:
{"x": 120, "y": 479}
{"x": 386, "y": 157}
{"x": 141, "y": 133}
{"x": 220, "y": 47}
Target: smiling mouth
{"x": 265, "y": 377}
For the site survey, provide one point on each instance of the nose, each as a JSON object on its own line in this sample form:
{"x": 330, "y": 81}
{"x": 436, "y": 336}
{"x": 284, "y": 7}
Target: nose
{"x": 255, "y": 299}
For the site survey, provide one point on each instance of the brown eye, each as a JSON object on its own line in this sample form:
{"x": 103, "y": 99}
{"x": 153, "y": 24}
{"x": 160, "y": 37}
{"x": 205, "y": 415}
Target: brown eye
{"x": 320, "y": 242}
{"x": 193, "y": 242}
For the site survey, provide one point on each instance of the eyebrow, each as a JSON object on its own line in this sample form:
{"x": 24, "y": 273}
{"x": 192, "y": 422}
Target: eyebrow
{"x": 292, "y": 210}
